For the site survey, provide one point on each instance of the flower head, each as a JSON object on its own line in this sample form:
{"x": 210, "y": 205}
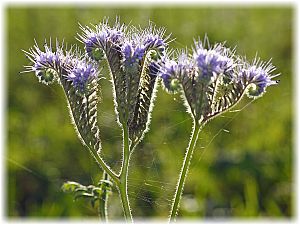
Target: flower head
{"x": 258, "y": 77}
{"x": 155, "y": 41}
{"x": 46, "y": 63}
{"x": 213, "y": 61}
{"x": 173, "y": 70}
{"x": 82, "y": 74}
{"x": 46, "y": 59}
{"x": 99, "y": 40}
{"x": 133, "y": 53}
{"x": 213, "y": 80}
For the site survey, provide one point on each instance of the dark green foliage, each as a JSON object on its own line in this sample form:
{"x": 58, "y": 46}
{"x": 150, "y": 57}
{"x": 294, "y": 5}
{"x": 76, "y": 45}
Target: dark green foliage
{"x": 90, "y": 192}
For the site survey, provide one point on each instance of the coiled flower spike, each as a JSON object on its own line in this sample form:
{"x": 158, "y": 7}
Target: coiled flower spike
{"x": 131, "y": 54}
{"x": 257, "y": 76}
{"x": 45, "y": 63}
{"x": 78, "y": 77}
{"x": 213, "y": 80}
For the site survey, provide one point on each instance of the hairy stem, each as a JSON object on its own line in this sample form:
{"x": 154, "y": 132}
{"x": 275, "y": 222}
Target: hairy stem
{"x": 184, "y": 171}
{"x": 102, "y": 209}
{"x": 104, "y": 166}
{"x": 93, "y": 151}
{"x": 124, "y": 175}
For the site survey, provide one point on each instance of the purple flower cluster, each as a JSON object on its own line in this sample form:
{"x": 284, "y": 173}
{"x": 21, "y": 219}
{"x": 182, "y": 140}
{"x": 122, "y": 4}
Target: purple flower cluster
{"x": 101, "y": 38}
{"x": 70, "y": 65}
{"x": 132, "y": 43}
{"x": 209, "y": 64}
{"x": 81, "y": 75}
{"x": 173, "y": 70}
{"x": 132, "y": 53}
{"x": 154, "y": 41}
{"x": 259, "y": 77}
{"x": 45, "y": 60}
{"x": 45, "y": 63}
{"x": 135, "y": 48}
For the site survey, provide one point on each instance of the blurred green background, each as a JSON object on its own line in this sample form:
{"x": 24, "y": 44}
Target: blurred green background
{"x": 246, "y": 170}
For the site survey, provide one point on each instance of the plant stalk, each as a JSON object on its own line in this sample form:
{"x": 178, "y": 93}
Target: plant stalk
{"x": 184, "y": 171}
{"x": 102, "y": 209}
{"x": 124, "y": 175}
{"x": 104, "y": 166}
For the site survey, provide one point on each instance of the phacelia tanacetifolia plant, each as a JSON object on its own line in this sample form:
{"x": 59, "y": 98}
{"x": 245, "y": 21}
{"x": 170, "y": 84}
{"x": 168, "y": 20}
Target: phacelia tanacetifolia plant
{"x": 211, "y": 80}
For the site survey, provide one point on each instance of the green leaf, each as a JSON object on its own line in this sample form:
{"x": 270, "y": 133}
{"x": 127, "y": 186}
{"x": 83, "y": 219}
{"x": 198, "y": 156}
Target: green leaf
{"x": 70, "y": 186}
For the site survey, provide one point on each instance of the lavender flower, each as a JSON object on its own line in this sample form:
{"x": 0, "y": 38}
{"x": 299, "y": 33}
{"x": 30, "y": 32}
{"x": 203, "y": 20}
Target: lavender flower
{"x": 213, "y": 61}
{"x": 82, "y": 75}
{"x": 257, "y": 77}
{"x": 213, "y": 80}
{"x": 45, "y": 63}
{"x": 139, "y": 44}
{"x": 169, "y": 74}
{"x": 99, "y": 40}
{"x": 133, "y": 54}
{"x": 154, "y": 41}
{"x": 61, "y": 64}
{"x": 174, "y": 70}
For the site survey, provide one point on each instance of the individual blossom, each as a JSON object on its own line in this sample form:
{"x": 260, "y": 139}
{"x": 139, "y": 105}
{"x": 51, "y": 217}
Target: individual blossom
{"x": 82, "y": 74}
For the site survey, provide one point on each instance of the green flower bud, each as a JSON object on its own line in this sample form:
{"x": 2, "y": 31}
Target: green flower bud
{"x": 98, "y": 54}
{"x": 47, "y": 76}
{"x": 175, "y": 85}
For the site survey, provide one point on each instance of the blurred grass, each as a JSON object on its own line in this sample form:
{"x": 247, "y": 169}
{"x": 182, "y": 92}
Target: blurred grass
{"x": 244, "y": 173}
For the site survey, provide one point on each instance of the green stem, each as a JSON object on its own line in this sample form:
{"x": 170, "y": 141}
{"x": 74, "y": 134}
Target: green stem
{"x": 93, "y": 152}
{"x": 102, "y": 209}
{"x": 104, "y": 166}
{"x": 124, "y": 175}
{"x": 184, "y": 171}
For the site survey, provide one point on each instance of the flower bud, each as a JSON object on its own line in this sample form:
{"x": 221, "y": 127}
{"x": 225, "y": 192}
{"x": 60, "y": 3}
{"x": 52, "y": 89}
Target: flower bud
{"x": 46, "y": 76}
{"x": 97, "y": 54}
